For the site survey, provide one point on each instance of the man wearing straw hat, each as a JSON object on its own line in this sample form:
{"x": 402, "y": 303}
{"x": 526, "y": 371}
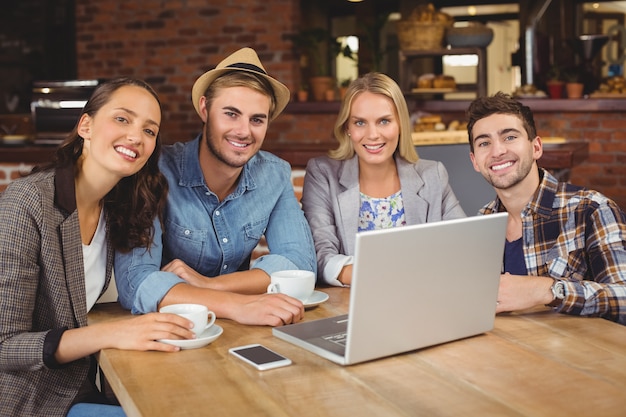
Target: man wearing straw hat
{"x": 224, "y": 195}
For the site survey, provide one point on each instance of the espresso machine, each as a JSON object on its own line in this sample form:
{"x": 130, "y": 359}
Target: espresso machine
{"x": 56, "y": 106}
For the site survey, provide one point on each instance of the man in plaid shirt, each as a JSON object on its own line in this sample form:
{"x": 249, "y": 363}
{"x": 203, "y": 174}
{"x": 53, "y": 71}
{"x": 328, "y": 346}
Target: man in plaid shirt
{"x": 565, "y": 245}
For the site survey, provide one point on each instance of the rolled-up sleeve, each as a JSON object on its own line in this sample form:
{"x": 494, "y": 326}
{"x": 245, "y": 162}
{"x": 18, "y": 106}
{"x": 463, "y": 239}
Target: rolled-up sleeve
{"x": 141, "y": 285}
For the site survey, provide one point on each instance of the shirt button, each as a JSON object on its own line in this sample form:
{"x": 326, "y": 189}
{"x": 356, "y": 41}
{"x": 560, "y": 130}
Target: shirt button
{"x": 217, "y": 212}
{"x": 225, "y": 267}
{"x": 225, "y": 240}
{"x": 187, "y": 232}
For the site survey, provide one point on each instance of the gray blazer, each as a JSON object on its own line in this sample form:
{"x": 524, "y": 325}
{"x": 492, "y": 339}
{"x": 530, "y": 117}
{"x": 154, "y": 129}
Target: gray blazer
{"x": 330, "y": 200}
{"x": 42, "y": 290}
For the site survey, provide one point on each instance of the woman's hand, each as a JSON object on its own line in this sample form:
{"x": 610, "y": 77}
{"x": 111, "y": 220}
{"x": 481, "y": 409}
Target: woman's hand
{"x": 135, "y": 333}
{"x": 142, "y": 332}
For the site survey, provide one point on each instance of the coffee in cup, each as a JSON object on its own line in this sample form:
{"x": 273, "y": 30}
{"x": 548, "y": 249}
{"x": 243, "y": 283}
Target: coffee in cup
{"x": 294, "y": 283}
{"x": 196, "y": 313}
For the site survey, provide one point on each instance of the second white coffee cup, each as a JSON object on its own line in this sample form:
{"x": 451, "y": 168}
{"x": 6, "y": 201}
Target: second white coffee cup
{"x": 295, "y": 283}
{"x": 197, "y": 313}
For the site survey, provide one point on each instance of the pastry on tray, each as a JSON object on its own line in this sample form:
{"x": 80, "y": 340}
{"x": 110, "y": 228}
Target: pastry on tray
{"x": 425, "y": 81}
{"x": 444, "y": 81}
{"x": 427, "y": 123}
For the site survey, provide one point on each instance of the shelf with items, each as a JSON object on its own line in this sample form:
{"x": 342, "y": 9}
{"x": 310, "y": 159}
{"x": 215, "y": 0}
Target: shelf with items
{"x": 407, "y": 57}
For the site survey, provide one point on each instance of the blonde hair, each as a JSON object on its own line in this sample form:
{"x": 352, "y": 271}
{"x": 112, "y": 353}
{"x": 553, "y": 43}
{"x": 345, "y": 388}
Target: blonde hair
{"x": 376, "y": 83}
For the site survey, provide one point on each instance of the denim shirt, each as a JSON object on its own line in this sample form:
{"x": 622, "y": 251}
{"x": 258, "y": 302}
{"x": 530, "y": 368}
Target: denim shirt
{"x": 216, "y": 237}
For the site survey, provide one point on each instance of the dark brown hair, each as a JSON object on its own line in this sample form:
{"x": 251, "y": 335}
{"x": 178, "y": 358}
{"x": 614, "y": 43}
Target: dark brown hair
{"x": 132, "y": 205}
{"x": 500, "y": 103}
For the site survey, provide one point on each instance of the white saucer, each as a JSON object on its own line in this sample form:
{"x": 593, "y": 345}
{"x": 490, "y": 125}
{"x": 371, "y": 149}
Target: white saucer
{"x": 202, "y": 340}
{"x": 317, "y": 298}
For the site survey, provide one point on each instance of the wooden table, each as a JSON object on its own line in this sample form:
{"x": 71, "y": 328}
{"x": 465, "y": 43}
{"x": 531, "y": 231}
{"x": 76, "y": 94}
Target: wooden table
{"x": 537, "y": 364}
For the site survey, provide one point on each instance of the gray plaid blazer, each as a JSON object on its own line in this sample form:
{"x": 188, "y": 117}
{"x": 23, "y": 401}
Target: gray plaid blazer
{"x": 42, "y": 287}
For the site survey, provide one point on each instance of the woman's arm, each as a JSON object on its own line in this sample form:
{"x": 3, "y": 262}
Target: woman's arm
{"x": 318, "y": 199}
{"x": 136, "y": 333}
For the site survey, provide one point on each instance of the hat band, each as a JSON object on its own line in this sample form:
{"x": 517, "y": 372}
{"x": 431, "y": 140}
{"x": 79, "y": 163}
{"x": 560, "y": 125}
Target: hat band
{"x": 243, "y": 65}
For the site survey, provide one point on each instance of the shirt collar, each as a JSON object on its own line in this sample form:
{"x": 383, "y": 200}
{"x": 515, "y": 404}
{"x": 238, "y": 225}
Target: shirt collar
{"x": 191, "y": 172}
{"x": 65, "y": 188}
{"x": 542, "y": 200}
{"x": 545, "y": 195}
{"x": 349, "y": 172}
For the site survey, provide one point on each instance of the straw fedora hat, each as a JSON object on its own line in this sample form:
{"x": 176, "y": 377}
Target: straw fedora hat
{"x": 247, "y": 60}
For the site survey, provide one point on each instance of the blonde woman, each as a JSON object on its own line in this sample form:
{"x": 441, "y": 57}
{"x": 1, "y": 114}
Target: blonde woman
{"x": 373, "y": 180}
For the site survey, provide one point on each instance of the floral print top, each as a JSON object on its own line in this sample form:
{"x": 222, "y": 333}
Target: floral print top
{"x": 381, "y": 213}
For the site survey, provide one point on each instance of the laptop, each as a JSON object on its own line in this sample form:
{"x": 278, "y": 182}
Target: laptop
{"x": 412, "y": 287}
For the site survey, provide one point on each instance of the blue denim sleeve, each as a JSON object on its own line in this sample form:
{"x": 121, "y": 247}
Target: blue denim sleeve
{"x": 288, "y": 237}
{"x": 141, "y": 284}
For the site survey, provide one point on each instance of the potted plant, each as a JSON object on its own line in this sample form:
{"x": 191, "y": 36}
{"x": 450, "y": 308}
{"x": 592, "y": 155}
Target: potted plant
{"x": 303, "y": 93}
{"x": 554, "y": 82}
{"x": 317, "y": 49}
{"x": 573, "y": 83}
{"x": 343, "y": 86}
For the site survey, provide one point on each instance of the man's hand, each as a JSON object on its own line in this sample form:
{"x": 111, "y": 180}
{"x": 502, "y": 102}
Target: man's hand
{"x": 187, "y": 273}
{"x": 269, "y": 310}
{"x": 519, "y": 292}
{"x": 257, "y": 309}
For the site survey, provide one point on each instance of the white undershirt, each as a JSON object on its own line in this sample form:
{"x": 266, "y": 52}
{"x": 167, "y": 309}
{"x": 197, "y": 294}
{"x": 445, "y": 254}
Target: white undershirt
{"x": 94, "y": 256}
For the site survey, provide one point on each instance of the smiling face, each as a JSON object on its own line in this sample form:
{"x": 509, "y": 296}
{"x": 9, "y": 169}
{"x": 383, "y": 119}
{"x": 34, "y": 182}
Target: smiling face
{"x": 503, "y": 153}
{"x": 373, "y": 128}
{"x": 121, "y": 136}
{"x": 235, "y": 124}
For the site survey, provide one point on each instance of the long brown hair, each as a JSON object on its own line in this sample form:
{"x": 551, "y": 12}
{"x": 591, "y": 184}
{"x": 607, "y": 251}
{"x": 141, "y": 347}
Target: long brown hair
{"x": 132, "y": 205}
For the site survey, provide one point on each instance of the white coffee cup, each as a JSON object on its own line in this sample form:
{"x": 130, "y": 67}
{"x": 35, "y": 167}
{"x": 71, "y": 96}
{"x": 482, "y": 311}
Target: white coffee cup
{"x": 197, "y": 313}
{"x": 294, "y": 283}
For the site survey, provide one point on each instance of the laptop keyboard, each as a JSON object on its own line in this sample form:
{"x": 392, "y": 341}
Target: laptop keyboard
{"x": 338, "y": 338}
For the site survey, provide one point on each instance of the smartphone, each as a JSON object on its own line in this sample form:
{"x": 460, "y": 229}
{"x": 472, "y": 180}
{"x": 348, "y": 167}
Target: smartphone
{"x": 259, "y": 356}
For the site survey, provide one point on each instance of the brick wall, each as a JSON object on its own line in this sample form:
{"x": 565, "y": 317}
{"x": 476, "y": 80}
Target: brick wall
{"x": 10, "y": 171}
{"x": 171, "y": 43}
{"x": 605, "y": 169}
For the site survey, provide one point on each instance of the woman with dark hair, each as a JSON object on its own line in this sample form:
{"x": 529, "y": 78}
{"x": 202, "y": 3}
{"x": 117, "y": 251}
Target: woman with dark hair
{"x": 59, "y": 228}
